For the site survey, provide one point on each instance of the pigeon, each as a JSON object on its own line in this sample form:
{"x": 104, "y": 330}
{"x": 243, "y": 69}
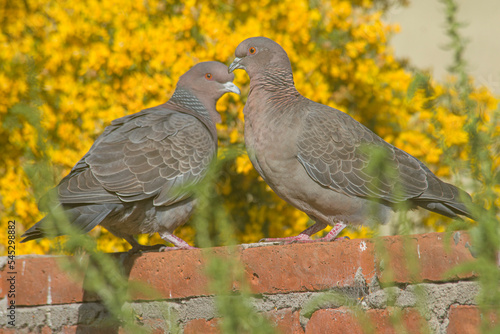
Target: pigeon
{"x": 136, "y": 176}
{"x": 321, "y": 161}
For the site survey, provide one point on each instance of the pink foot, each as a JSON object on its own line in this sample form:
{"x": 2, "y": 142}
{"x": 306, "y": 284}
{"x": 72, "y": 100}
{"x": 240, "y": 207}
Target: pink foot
{"x": 288, "y": 240}
{"x": 176, "y": 241}
{"x": 166, "y": 248}
{"x": 305, "y": 237}
{"x": 324, "y": 239}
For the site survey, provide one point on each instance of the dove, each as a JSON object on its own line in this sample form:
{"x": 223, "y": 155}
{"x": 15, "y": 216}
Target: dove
{"x": 136, "y": 177}
{"x": 318, "y": 158}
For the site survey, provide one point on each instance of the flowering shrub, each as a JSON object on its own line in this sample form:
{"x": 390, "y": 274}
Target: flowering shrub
{"x": 83, "y": 64}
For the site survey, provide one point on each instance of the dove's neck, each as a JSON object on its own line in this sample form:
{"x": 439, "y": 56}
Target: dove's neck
{"x": 276, "y": 81}
{"x": 186, "y": 99}
{"x": 276, "y": 86}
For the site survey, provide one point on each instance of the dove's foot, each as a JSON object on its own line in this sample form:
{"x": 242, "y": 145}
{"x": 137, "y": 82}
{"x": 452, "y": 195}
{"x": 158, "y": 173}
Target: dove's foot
{"x": 305, "y": 237}
{"x": 137, "y": 247}
{"x": 288, "y": 240}
{"x": 176, "y": 241}
{"x": 332, "y": 235}
{"x": 166, "y": 248}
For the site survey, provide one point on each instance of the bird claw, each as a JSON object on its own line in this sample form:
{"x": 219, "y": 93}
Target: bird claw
{"x": 287, "y": 240}
{"x": 301, "y": 239}
{"x": 144, "y": 248}
{"x": 167, "y": 249}
{"x": 272, "y": 240}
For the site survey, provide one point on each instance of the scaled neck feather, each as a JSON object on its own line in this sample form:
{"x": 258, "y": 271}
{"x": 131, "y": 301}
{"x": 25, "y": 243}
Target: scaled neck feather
{"x": 185, "y": 101}
{"x": 184, "y": 98}
{"x": 277, "y": 80}
{"x": 277, "y": 84}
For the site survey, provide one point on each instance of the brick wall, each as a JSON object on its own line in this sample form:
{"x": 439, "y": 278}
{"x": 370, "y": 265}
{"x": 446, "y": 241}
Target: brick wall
{"x": 374, "y": 273}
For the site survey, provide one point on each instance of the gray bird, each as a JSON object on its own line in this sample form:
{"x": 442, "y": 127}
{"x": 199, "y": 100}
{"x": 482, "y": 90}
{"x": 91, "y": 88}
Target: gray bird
{"x": 317, "y": 158}
{"x": 136, "y": 176}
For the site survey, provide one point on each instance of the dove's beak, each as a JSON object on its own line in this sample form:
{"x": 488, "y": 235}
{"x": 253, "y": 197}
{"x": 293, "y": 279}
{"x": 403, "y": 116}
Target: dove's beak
{"x": 235, "y": 65}
{"x": 231, "y": 87}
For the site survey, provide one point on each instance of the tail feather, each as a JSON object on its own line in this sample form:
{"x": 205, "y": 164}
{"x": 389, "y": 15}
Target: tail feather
{"x": 34, "y": 232}
{"x": 445, "y": 199}
{"x": 448, "y": 209}
{"x": 84, "y": 217}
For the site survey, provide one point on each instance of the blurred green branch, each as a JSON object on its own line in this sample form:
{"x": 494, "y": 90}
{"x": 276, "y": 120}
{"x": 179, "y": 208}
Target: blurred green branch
{"x": 486, "y": 234}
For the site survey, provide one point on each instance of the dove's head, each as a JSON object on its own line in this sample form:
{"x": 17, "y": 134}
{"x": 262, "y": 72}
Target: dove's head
{"x": 206, "y": 81}
{"x": 258, "y": 54}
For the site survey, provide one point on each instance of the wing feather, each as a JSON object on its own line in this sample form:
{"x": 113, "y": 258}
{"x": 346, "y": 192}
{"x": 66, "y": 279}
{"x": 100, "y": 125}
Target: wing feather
{"x": 336, "y": 152}
{"x": 145, "y": 155}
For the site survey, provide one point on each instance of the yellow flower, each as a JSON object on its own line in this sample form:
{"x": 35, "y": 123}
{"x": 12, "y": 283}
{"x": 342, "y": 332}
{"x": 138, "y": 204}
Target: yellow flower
{"x": 243, "y": 164}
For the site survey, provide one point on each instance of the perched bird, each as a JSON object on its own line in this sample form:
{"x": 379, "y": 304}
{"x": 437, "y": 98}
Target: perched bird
{"x": 135, "y": 176}
{"x": 318, "y": 158}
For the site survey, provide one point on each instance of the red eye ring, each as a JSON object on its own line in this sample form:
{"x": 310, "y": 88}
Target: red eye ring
{"x": 252, "y": 50}
{"x": 208, "y": 76}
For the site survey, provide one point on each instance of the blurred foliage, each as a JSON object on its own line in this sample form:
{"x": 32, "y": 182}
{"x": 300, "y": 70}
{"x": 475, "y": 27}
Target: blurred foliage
{"x": 227, "y": 274}
{"x": 96, "y": 61}
{"x": 484, "y": 153}
{"x": 101, "y": 273}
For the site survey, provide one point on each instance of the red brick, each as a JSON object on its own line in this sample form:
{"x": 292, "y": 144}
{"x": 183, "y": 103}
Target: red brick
{"x": 432, "y": 255}
{"x": 40, "y": 281}
{"x": 270, "y": 269}
{"x": 286, "y": 321}
{"x": 46, "y": 330}
{"x": 198, "y": 326}
{"x": 37, "y": 330}
{"x": 333, "y": 321}
{"x": 414, "y": 322}
{"x": 409, "y": 321}
{"x": 464, "y": 319}
{"x": 308, "y": 267}
{"x": 343, "y": 320}
{"x": 467, "y": 319}
{"x": 154, "y": 326}
{"x": 173, "y": 274}
{"x": 86, "y": 329}
{"x": 8, "y": 331}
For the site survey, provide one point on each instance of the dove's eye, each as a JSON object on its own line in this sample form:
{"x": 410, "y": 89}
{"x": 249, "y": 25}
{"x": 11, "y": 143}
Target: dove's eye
{"x": 252, "y": 50}
{"x": 208, "y": 76}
